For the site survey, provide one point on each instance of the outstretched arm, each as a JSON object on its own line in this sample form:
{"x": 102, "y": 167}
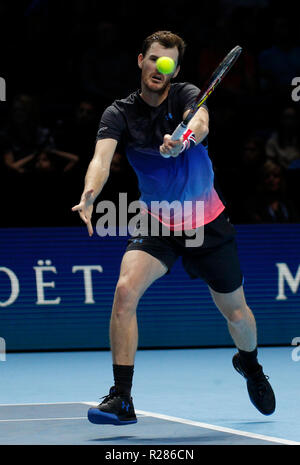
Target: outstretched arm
{"x": 95, "y": 179}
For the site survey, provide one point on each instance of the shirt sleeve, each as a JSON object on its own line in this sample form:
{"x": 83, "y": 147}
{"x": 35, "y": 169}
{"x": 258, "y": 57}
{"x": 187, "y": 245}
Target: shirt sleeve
{"x": 187, "y": 96}
{"x": 111, "y": 124}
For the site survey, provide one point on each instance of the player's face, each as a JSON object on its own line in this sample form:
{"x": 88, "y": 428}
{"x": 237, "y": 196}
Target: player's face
{"x": 151, "y": 77}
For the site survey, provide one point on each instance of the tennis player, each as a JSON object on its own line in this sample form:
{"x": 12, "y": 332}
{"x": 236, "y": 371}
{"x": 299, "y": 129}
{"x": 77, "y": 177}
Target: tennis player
{"x": 168, "y": 170}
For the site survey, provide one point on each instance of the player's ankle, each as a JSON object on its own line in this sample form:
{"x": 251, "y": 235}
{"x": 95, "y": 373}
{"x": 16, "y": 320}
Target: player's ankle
{"x": 249, "y": 360}
{"x": 123, "y": 375}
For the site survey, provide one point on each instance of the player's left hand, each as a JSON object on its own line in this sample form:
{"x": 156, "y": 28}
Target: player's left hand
{"x": 85, "y": 209}
{"x": 171, "y": 147}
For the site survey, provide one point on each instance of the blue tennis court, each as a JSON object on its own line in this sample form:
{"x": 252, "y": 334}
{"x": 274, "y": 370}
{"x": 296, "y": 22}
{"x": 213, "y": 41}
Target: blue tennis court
{"x": 181, "y": 396}
{"x": 88, "y": 117}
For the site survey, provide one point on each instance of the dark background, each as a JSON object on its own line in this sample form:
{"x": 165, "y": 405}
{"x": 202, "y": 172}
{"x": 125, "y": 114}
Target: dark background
{"x": 64, "y": 61}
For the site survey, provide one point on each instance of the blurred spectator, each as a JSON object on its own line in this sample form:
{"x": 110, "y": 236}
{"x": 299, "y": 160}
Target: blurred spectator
{"x": 49, "y": 198}
{"x": 233, "y": 105}
{"x": 270, "y": 202}
{"x": 241, "y": 81}
{"x": 43, "y": 169}
{"x": 23, "y": 136}
{"x": 253, "y": 157}
{"x": 243, "y": 177}
{"x": 283, "y": 146}
{"x": 280, "y": 63}
{"x": 248, "y": 27}
{"x": 229, "y": 5}
{"x": 77, "y": 134}
{"x": 253, "y": 154}
{"x": 29, "y": 152}
{"x": 107, "y": 68}
{"x": 45, "y": 161}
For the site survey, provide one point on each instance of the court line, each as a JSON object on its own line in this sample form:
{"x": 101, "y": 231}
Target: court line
{"x": 223, "y": 429}
{"x": 41, "y": 403}
{"x": 161, "y": 417}
{"x": 43, "y": 419}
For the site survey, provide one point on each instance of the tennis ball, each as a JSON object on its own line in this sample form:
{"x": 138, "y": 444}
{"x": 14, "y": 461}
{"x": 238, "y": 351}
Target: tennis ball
{"x": 165, "y": 65}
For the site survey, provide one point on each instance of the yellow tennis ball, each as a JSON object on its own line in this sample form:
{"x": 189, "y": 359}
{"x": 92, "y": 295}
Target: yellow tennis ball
{"x": 165, "y": 65}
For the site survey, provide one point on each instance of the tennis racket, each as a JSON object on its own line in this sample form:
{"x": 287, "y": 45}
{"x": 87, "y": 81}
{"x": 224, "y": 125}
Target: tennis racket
{"x": 212, "y": 83}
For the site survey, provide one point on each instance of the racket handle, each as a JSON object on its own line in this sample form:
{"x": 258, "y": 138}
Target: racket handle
{"x": 179, "y": 131}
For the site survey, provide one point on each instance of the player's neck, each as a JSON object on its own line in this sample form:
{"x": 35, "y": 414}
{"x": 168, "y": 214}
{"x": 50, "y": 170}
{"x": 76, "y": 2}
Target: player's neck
{"x": 154, "y": 99}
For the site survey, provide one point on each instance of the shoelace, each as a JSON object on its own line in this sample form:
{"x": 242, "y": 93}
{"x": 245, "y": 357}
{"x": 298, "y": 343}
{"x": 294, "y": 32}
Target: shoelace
{"x": 261, "y": 385}
{"x": 105, "y": 398}
{"x": 108, "y": 397}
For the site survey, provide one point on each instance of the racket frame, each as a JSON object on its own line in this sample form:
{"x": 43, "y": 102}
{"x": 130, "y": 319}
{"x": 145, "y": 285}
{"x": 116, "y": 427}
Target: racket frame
{"x": 213, "y": 82}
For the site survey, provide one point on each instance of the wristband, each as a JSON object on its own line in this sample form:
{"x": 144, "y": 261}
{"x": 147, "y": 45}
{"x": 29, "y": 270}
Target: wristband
{"x": 189, "y": 140}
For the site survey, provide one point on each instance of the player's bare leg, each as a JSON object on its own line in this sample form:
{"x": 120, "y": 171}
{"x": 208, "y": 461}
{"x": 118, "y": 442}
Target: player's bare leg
{"x": 240, "y": 319}
{"x": 242, "y": 327}
{"x": 138, "y": 271}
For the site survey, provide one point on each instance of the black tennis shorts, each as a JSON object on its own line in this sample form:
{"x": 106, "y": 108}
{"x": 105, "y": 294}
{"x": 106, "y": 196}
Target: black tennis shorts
{"x": 216, "y": 261}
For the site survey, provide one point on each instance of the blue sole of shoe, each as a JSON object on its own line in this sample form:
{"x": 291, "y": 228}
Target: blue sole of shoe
{"x": 102, "y": 418}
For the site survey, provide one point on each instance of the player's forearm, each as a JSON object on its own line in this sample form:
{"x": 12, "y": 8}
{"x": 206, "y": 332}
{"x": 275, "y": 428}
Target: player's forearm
{"x": 95, "y": 178}
{"x": 199, "y": 126}
{"x": 99, "y": 168}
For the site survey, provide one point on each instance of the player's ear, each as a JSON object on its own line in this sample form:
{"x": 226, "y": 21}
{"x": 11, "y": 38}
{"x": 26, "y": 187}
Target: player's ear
{"x": 140, "y": 60}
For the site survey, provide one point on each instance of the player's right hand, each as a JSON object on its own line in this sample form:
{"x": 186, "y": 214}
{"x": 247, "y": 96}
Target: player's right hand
{"x": 170, "y": 147}
{"x": 85, "y": 209}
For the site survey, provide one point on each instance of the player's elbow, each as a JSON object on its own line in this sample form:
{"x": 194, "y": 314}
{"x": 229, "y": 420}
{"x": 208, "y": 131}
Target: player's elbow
{"x": 202, "y": 127}
{"x": 205, "y": 130}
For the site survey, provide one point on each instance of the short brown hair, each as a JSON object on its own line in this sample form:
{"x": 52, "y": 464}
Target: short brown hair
{"x": 168, "y": 40}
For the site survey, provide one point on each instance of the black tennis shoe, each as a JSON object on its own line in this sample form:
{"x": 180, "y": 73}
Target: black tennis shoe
{"x": 259, "y": 389}
{"x": 115, "y": 409}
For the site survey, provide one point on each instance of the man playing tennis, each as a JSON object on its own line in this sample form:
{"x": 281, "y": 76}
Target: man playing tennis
{"x": 143, "y": 122}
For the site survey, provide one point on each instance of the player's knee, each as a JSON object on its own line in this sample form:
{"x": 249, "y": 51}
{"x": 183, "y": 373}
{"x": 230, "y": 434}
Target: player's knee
{"x": 125, "y": 297}
{"x": 237, "y": 315}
